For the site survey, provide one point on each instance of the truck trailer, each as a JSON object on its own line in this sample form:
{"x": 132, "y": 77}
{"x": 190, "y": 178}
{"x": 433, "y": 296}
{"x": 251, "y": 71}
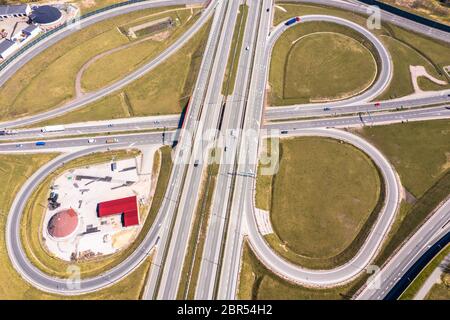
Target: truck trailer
{"x": 53, "y": 128}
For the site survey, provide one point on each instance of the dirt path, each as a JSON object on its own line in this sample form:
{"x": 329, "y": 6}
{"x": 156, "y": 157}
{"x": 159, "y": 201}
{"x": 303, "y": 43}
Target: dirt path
{"x": 420, "y": 71}
{"x": 79, "y": 92}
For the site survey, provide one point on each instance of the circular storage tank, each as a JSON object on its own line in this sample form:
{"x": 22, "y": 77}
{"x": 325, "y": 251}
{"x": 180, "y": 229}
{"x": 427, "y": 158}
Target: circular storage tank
{"x": 63, "y": 223}
{"x": 45, "y": 15}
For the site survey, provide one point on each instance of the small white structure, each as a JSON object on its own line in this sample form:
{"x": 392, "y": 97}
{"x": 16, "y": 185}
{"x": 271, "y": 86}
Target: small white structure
{"x": 31, "y": 31}
{"x": 7, "y": 47}
{"x": 15, "y": 11}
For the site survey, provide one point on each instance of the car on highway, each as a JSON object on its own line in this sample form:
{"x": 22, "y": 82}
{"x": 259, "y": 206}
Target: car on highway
{"x": 284, "y": 131}
{"x": 40, "y": 143}
{"x": 112, "y": 140}
{"x": 19, "y": 145}
{"x": 326, "y": 109}
{"x": 196, "y": 163}
{"x": 447, "y": 107}
{"x": 91, "y": 140}
{"x": 377, "y": 104}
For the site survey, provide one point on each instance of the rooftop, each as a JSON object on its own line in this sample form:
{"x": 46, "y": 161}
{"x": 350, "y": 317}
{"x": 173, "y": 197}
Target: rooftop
{"x": 13, "y": 9}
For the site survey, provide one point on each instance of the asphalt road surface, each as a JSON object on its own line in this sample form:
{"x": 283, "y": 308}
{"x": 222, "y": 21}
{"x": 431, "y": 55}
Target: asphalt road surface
{"x": 93, "y": 96}
{"x": 429, "y": 233}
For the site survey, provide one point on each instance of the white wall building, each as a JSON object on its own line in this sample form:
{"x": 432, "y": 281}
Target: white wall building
{"x": 15, "y": 11}
{"x": 7, "y": 47}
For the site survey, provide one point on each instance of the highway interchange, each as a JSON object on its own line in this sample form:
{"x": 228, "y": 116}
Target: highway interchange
{"x": 232, "y": 214}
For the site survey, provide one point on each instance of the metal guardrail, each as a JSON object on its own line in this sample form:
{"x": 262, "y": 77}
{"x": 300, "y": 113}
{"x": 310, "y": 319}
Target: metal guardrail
{"x": 64, "y": 25}
{"x": 408, "y": 15}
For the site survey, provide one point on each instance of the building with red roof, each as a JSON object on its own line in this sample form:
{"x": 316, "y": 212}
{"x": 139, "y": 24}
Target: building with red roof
{"x": 127, "y": 207}
{"x": 63, "y": 223}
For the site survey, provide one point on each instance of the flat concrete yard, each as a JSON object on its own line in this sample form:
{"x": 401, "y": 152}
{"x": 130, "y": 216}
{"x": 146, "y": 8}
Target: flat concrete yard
{"x": 82, "y": 189}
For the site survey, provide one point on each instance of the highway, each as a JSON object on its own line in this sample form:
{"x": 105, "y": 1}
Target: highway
{"x": 248, "y": 154}
{"x": 232, "y": 214}
{"x": 292, "y": 112}
{"x": 430, "y": 232}
{"x": 382, "y": 118}
{"x": 96, "y": 127}
{"x": 220, "y": 208}
{"x": 203, "y": 114}
{"x": 70, "y": 144}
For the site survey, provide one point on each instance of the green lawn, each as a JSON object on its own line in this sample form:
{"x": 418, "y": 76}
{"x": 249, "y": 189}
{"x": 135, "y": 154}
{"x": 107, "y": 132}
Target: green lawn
{"x": 164, "y": 90}
{"x": 419, "y": 151}
{"x": 14, "y": 170}
{"x": 322, "y": 198}
{"x": 317, "y": 68}
{"x": 320, "y": 60}
{"x": 114, "y": 66}
{"x": 258, "y": 283}
{"x": 406, "y": 48}
{"x": 54, "y": 70}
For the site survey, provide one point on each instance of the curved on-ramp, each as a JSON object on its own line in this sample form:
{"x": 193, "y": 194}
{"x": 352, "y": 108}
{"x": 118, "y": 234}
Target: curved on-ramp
{"x": 45, "y": 282}
{"x": 93, "y": 96}
{"x": 385, "y": 67}
{"x": 366, "y": 253}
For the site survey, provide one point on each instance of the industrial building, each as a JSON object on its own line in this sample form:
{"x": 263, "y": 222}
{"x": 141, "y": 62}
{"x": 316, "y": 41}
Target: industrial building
{"x": 15, "y": 11}
{"x": 127, "y": 207}
{"x": 46, "y": 15}
{"x": 31, "y": 31}
{"x": 7, "y": 47}
{"x": 63, "y": 224}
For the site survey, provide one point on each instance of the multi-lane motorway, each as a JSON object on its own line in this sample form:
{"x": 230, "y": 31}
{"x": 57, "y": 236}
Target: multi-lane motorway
{"x": 232, "y": 213}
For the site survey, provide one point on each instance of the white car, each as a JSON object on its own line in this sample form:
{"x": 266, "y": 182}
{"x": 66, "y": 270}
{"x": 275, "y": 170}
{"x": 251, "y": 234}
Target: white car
{"x": 91, "y": 140}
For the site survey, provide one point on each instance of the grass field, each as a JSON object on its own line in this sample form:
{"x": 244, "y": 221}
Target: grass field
{"x": 113, "y": 66}
{"x": 406, "y": 48}
{"x": 258, "y": 283}
{"x": 164, "y": 90}
{"x": 54, "y": 70}
{"x": 419, "y": 151}
{"x": 326, "y": 58}
{"x": 322, "y": 196}
{"x": 418, "y": 282}
{"x": 319, "y": 60}
{"x": 33, "y": 217}
{"x": 235, "y": 51}
{"x": 427, "y": 160}
{"x": 14, "y": 170}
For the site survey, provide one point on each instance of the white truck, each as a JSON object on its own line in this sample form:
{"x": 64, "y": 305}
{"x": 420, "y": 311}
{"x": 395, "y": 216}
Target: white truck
{"x": 53, "y": 128}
